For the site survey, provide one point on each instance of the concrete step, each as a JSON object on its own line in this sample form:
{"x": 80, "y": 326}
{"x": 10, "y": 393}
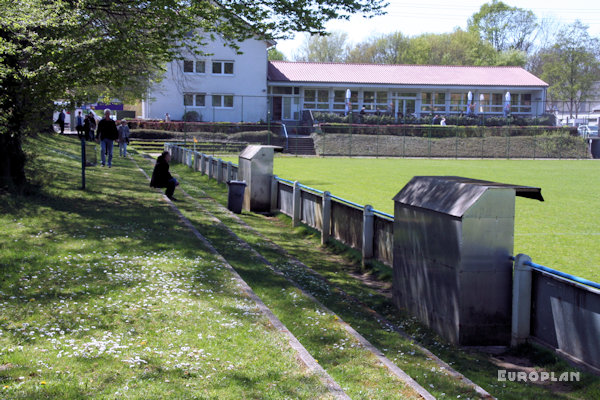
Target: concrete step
{"x": 301, "y": 145}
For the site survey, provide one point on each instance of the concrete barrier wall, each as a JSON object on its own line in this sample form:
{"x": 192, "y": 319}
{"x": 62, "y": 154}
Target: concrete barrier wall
{"x": 565, "y": 316}
{"x": 285, "y": 199}
{"x": 383, "y": 240}
{"x": 347, "y": 224}
{"x": 312, "y": 210}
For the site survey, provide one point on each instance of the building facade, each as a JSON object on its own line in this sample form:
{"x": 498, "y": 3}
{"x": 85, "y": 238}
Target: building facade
{"x": 402, "y": 89}
{"x": 243, "y": 86}
{"x": 228, "y": 85}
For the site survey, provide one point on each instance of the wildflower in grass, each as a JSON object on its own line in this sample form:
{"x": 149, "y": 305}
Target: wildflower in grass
{"x": 42, "y": 382}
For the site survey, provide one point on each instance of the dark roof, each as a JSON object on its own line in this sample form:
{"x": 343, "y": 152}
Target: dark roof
{"x": 454, "y": 195}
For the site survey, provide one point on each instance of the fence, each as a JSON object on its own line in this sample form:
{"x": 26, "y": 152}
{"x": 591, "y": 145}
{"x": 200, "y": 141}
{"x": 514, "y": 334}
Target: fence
{"x": 290, "y": 107}
{"x": 450, "y": 141}
{"x": 557, "y": 310}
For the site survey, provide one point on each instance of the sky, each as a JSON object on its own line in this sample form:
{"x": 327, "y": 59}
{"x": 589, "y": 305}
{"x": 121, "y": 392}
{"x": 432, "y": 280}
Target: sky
{"x": 439, "y": 16}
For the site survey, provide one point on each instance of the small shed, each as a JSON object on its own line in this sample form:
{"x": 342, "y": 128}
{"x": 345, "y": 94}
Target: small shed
{"x": 256, "y": 169}
{"x": 453, "y": 239}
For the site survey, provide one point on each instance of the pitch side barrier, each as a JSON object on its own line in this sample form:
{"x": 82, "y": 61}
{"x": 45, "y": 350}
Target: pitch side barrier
{"x": 558, "y": 310}
{"x": 555, "y": 309}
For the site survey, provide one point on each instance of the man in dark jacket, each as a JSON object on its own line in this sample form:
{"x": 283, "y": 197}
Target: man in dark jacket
{"x": 107, "y": 132}
{"x": 61, "y": 121}
{"x": 161, "y": 177}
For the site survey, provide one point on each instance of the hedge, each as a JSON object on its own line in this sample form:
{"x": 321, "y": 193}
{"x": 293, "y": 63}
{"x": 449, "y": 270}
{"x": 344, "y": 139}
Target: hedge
{"x": 211, "y": 127}
{"x": 462, "y": 120}
{"x": 438, "y": 131}
{"x": 245, "y": 137}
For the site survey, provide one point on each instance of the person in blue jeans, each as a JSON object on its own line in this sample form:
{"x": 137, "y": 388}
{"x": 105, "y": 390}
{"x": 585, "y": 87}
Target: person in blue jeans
{"x": 123, "y": 138}
{"x": 161, "y": 177}
{"x": 107, "y": 133}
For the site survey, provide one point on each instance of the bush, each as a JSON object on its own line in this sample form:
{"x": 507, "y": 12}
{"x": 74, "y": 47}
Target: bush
{"x": 453, "y": 119}
{"x": 246, "y": 137}
{"x": 212, "y": 127}
{"x": 192, "y": 116}
{"x": 437, "y": 131}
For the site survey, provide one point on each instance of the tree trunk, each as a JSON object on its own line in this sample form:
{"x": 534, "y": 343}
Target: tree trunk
{"x": 12, "y": 163}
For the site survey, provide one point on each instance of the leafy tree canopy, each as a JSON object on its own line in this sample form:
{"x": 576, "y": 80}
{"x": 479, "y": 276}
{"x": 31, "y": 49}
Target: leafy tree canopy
{"x": 572, "y": 65}
{"x": 505, "y": 27}
{"x": 77, "y": 49}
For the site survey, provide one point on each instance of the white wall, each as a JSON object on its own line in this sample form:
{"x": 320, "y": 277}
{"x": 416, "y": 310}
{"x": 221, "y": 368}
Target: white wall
{"x": 248, "y": 85}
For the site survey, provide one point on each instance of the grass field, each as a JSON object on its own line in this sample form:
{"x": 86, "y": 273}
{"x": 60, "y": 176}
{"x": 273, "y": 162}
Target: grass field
{"x": 105, "y": 294}
{"x": 562, "y": 233}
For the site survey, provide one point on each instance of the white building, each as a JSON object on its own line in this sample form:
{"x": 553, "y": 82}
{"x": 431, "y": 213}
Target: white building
{"x": 224, "y": 86}
{"x": 231, "y": 87}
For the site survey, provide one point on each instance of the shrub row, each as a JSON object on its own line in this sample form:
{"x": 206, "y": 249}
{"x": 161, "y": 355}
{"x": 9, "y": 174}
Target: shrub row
{"x": 246, "y": 137}
{"x": 462, "y": 120}
{"x": 212, "y": 127}
{"x": 444, "y": 131}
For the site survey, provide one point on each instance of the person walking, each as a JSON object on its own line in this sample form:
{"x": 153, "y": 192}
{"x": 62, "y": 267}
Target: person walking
{"x": 61, "y": 121}
{"x": 91, "y": 121}
{"x": 79, "y": 126}
{"x": 161, "y": 177}
{"x": 123, "y": 138}
{"x": 107, "y": 132}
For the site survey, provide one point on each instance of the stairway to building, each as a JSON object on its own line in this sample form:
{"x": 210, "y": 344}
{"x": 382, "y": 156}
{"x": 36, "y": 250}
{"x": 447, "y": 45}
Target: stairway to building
{"x": 301, "y": 145}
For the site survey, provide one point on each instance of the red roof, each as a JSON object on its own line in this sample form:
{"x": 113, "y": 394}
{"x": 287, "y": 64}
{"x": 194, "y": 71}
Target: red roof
{"x": 386, "y": 74}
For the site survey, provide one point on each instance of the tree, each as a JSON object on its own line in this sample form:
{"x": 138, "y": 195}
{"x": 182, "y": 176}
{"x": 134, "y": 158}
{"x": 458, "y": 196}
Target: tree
{"x": 505, "y": 27}
{"x": 72, "y": 50}
{"x": 385, "y": 49}
{"x": 571, "y": 66}
{"x": 275, "y": 55}
{"x": 324, "y": 48}
{"x": 456, "y": 48}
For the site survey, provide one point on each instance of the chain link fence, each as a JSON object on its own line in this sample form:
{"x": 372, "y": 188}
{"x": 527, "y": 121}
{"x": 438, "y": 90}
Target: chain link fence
{"x": 450, "y": 141}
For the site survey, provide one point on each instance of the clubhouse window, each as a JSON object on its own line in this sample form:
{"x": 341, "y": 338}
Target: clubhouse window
{"x": 222, "y": 100}
{"x": 222, "y": 67}
{"x": 194, "y": 99}
{"x": 191, "y": 66}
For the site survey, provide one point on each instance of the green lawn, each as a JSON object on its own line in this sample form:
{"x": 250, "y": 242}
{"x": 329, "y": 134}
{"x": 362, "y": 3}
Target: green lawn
{"x": 103, "y": 294}
{"x": 562, "y": 233}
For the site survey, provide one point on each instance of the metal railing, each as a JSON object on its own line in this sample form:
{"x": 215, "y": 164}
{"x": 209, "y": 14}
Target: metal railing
{"x": 285, "y": 134}
{"x": 573, "y": 278}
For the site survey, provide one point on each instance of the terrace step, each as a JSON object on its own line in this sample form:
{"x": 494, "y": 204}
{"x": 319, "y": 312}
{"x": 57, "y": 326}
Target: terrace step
{"x": 301, "y": 146}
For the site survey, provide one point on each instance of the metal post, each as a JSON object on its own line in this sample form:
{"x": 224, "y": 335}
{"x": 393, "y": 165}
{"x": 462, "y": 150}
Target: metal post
{"x": 274, "y": 193}
{"x": 219, "y": 170}
{"x": 296, "y": 201}
{"x": 82, "y": 164}
{"x": 326, "y": 218}
{"x": 367, "y": 236}
{"x": 521, "y": 301}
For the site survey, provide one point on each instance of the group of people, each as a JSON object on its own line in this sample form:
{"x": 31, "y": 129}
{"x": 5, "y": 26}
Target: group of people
{"x": 106, "y": 132}
{"x": 85, "y": 126}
